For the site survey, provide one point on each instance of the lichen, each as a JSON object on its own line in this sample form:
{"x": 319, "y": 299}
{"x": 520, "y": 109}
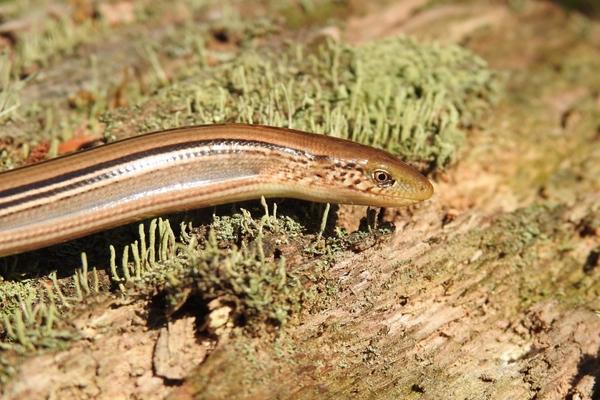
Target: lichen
{"x": 228, "y": 262}
{"x": 414, "y": 99}
{"x": 410, "y": 98}
{"x": 38, "y": 319}
{"x": 10, "y": 87}
{"x": 13, "y": 293}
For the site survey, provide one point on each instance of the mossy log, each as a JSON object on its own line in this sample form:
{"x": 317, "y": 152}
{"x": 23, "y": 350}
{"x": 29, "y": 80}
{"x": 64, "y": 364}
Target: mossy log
{"x": 489, "y": 290}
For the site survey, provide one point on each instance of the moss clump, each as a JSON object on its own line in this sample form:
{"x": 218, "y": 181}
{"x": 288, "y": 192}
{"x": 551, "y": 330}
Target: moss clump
{"x": 240, "y": 227}
{"x": 230, "y": 262}
{"x": 33, "y": 325}
{"x": 63, "y": 28}
{"x": 33, "y": 316}
{"x": 10, "y": 99}
{"x": 410, "y": 98}
{"x": 13, "y": 293}
{"x": 260, "y": 288}
{"x": 55, "y": 38}
{"x": 429, "y": 93}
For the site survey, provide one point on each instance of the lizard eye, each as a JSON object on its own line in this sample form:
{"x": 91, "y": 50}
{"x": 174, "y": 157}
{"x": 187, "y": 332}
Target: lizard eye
{"x": 383, "y": 178}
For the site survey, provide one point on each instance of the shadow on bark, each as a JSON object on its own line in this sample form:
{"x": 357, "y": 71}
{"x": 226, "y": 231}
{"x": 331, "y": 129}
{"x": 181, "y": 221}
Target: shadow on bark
{"x": 590, "y": 8}
{"x": 588, "y": 365}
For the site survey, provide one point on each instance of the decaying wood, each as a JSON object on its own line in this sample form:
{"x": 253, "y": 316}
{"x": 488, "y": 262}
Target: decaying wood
{"x": 489, "y": 290}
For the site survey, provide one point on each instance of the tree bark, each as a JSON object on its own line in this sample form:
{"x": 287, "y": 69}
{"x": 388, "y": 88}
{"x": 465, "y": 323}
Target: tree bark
{"x": 489, "y": 290}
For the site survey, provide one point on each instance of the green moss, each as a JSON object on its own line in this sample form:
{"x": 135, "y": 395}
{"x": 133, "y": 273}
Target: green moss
{"x": 240, "y": 227}
{"x": 238, "y": 258}
{"x": 260, "y": 286}
{"x": 60, "y": 33}
{"x": 10, "y": 100}
{"x": 54, "y": 38}
{"x": 31, "y": 326}
{"x": 34, "y": 317}
{"x": 13, "y": 293}
{"x": 411, "y": 98}
{"x": 528, "y": 249}
{"x": 407, "y": 97}
{"x": 414, "y": 99}
{"x": 61, "y": 47}
{"x": 261, "y": 289}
